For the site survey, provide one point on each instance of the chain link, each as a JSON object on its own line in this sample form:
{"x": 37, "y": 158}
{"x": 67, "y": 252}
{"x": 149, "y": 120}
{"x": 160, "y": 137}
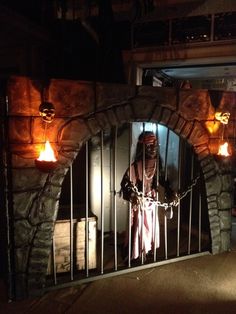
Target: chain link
{"x": 145, "y": 199}
{"x": 189, "y": 188}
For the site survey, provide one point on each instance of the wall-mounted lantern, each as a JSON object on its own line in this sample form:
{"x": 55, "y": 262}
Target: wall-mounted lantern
{"x": 224, "y": 149}
{"x": 46, "y": 161}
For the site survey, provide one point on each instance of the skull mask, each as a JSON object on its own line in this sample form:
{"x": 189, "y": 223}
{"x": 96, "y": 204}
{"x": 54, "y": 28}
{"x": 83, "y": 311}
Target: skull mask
{"x": 47, "y": 111}
{"x": 148, "y": 139}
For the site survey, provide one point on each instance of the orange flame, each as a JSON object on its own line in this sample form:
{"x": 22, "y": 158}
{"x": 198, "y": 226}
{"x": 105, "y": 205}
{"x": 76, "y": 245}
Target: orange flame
{"x": 47, "y": 154}
{"x": 223, "y": 150}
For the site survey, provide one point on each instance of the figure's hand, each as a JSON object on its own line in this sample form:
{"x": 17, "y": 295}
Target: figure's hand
{"x": 175, "y": 199}
{"x": 172, "y": 197}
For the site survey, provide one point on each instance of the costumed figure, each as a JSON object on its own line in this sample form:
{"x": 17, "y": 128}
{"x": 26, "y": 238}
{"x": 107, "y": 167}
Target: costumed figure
{"x": 140, "y": 187}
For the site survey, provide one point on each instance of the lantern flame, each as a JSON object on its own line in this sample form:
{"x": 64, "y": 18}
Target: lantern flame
{"x": 47, "y": 154}
{"x": 223, "y": 150}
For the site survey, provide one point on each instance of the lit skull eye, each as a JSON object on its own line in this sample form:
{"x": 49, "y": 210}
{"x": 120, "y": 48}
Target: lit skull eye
{"x": 47, "y": 111}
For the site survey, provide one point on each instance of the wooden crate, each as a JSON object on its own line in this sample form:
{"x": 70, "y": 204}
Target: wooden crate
{"x": 92, "y": 244}
{"x": 62, "y": 245}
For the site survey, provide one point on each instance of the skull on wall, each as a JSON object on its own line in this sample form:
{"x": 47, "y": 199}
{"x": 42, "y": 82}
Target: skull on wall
{"x": 47, "y": 111}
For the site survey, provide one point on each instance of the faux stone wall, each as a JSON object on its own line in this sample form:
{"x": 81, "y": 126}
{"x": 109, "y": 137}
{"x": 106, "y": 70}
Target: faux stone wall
{"x": 82, "y": 110}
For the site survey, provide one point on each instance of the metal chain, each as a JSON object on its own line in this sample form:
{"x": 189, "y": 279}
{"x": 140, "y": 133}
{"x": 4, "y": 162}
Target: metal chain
{"x": 189, "y": 188}
{"x": 144, "y": 199}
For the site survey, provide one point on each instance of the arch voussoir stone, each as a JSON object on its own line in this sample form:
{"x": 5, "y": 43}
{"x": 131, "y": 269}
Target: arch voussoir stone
{"x": 142, "y": 108}
{"x": 74, "y": 132}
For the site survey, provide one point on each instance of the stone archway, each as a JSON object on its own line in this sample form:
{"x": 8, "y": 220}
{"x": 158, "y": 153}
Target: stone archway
{"x": 82, "y": 110}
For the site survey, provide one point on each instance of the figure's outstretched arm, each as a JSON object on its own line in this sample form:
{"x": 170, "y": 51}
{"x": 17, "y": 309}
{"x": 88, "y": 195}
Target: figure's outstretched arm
{"x": 128, "y": 190}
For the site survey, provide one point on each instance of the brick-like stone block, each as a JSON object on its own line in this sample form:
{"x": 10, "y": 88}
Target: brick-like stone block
{"x": 43, "y": 209}
{"x": 93, "y": 125}
{"x": 71, "y": 98}
{"x": 112, "y": 117}
{"x": 227, "y": 182}
{"x": 179, "y": 126}
{"x": 27, "y": 179}
{"x": 208, "y": 165}
{"x": 43, "y": 241}
{"x": 21, "y": 259}
{"x": 186, "y": 130}
{"x": 24, "y": 96}
{"x": 225, "y": 200}
{"x": 228, "y": 102}
{"x": 225, "y": 219}
{"x": 20, "y": 162}
{"x": 22, "y": 203}
{"x": 124, "y": 113}
{"x": 74, "y": 133}
{"x": 23, "y": 232}
{"x": 26, "y": 152}
{"x": 213, "y": 208}
{"x": 19, "y": 130}
{"x": 142, "y": 108}
{"x": 194, "y": 104}
{"x": 173, "y": 120}
{"x": 198, "y": 135}
{"x": 156, "y": 114}
{"x": 202, "y": 151}
{"x": 165, "y": 116}
{"x": 167, "y": 97}
{"x": 213, "y": 186}
{"x": 103, "y": 120}
{"x": 225, "y": 241}
{"x": 113, "y": 94}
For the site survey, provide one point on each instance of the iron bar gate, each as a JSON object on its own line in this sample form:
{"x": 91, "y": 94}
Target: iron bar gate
{"x": 185, "y": 237}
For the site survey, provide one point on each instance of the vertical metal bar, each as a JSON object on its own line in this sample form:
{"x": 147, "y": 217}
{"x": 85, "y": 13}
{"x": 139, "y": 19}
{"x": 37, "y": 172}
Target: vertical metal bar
{"x": 156, "y": 218}
{"x": 130, "y": 206}
{"x": 9, "y": 237}
{"x": 165, "y": 218}
{"x": 7, "y": 201}
{"x": 155, "y": 230}
{"x": 71, "y": 223}
{"x": 179, "y": 187}
{"x": 114, "y": 198}
{"x": 170, "y": 33}
{"x": 212, "y": 34}
{"x": 200, "y": 223}
{"x": 190, "y": 208}
{"x": 86, "y": 210}
{"x": 102, "y": 205}
{"x": 143, "y": 194}
{"x": 54, "y": 261}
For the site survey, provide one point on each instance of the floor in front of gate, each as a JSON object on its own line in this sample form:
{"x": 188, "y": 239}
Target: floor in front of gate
{"x": 171, "y": 246}
{"x": 204, "y": 284}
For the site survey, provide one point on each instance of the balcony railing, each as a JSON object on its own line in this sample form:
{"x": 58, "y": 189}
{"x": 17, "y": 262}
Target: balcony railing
{"x": 187, "y": 30}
